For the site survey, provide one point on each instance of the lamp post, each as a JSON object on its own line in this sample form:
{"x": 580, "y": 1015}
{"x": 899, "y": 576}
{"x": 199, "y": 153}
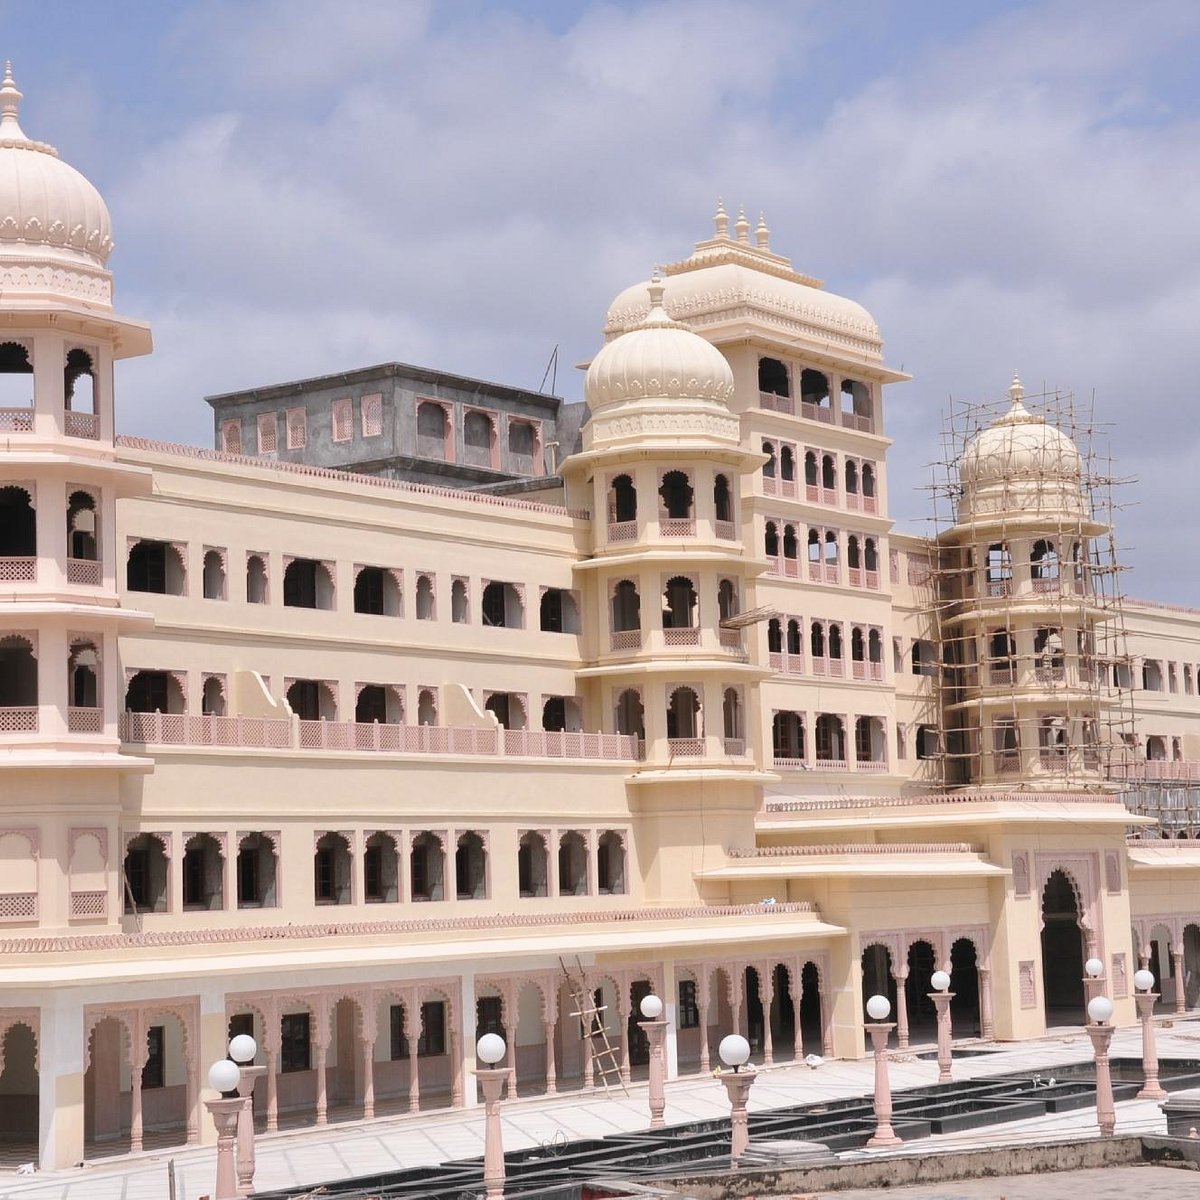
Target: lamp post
{"x": 1100, "y": 1008}
{"x": 878, "y": 1008}
{"x": 655, "y": 1030}
{"x": 1093, "y": 981}
{"x": 490, "y": 1049}
{"x": 941, "y": 997}
{"x": 1145, "y": 997}
{"x": 242, "y": 1050}
{"x": 223, "y": 1077}
{"x": 733, "y": 1051}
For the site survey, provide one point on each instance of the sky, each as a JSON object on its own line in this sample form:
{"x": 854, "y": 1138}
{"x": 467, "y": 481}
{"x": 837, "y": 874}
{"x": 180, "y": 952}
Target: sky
{"x": 306, "y": 186}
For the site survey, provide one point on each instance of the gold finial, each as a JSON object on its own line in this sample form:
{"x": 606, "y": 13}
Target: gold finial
{"x": 762, "y": 235}
{"x": 742, "y": 226}
{"x": 721, "y": 219}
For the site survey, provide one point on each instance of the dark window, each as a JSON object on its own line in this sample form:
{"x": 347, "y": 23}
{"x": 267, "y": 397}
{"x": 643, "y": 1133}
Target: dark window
{"x": 241, "y": 1023}
{"x": 689, "y": 1012}
{"x": 433, "y": 1028}
{"x": 373, "y": 872}
{"x": 294, "y": 1042}
{"x": 193, "y": 879}
{"x": 399, "y": 1043}
{"x": 300, "y": 584}
{"x": 323, "y": 875}
{"x": 489, "y": 1016}
{"x": 148, "y": 693}
{"x": 137, "y": 878}
{"x": 156, "y": 1049}
{"x": 146, "y": 570}
{"x": 368, "y": 591}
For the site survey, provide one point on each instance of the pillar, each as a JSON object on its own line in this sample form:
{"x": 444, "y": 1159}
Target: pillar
{"x": 766, "y": 995}
{"x": 466, "y": 1005}
{"x": 548, "y": 1028}
{"x": 272, "y": 1086}
{"x": 139, "y": 1051}
{"x": 623, "y": 1017}
{"x": 60, "y": 1050}
{"x": 900, "y": 975}
{"x": 1180, "y": 988}
{"x": 322, "y": 1049}
{"x": 366, "y": 1046}
{"x": 702, "y": 1010}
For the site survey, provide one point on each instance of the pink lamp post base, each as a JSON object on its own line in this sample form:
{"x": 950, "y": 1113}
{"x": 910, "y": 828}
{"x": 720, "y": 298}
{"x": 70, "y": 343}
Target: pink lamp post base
{"x": 945, "y": 1053}
{"x": 1151, "y": 1088}
{"x": 1106, "y": 1113}
{"x": 655, "y": 1032}
{"x": 225, "y": 1115}
{"x": 738, "y": 1084}
{"x": 492, "y": 1081}
{"x": 245, "y": 1129}
{"x": 884, "y": 1134}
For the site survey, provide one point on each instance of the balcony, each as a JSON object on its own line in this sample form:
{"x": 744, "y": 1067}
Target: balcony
{"x": 677, "y": 527}
{"x": 18, "y": 906}
{"x": 85, "y": 720}
{"x": 816, "y": 412}
{"x": 774, "y": 403}
{"x": 81, "y": 425}
{"x": 625, "y": 639}
{"x": 688, "y": 636}
{"x": 685, "y": 747}
{"x": 19, "y": 720}
{"x": 1156, "y": 771}
{"x": 84, "y": 571}
{"x": 622, "y": 531}
{"x": 270, "y": 733}
{"x": 726, "y": 531}
{"x": 854, "y": 421}
{"x": 16, "y": 420}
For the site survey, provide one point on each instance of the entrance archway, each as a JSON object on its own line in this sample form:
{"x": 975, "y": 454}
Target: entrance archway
{"x": 922, "y": 1016}
{"x": 783, "y": 1016}
{"x": 811, "y": 1017}
{"x": 1062, "y": 952}
{"x": 964, "y": 983}
{"x": 752, "y": 998}
{"x": 18, "y": 1090}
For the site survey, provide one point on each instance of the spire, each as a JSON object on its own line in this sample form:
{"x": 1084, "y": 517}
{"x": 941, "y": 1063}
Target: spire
{"x": 1018, "y": 414}
{"x": 742, "y": 226}
{"x": 10, "y": 103}
{"x": 657, "y": 314}
{"x": 1015, "y": 391}
{"x": 762, "y": 235}
{"x": 721, "y": 219}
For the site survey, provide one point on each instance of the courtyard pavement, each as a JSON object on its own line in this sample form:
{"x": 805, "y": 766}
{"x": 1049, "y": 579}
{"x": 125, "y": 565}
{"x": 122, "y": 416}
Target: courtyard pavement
{"x": 309, "y": 1156}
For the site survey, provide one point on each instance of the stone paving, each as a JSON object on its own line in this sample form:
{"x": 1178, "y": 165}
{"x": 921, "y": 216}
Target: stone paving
{"x": 310, "y": 1156}
{"x": 1111, "y": 1183}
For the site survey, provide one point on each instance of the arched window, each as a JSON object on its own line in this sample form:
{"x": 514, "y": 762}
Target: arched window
{"x": 460, "y": 603}
{"x": 312, "y": 700}
{"x": 203, "y": 873}
{"x": 626, "y": 607}
{"x": 630, "y": 716}
{"x": 810, "y": 469}
{"x": 523, "y": 439}
{"x": 875, "y": 646}
{"x": 426, "y": 600}
{"x": 18, "y": 527}
{"x": 868, "y": 480}
{"x": 831, "y": 547}
{"x": 622, "y": 500}
{"x": 427, "y": 865}
{"x": 790, "y": 548}
{"x": 731, "y": 715}
{"x": 870, "y": 554}
{"x": 683, "y": 715}
{"x": 828, "y": 473}
{"x": 83, "y": 666}
{"x": 787, "y": 736}
{"x": 212, "y": 699}
{"x": 532, "y": 865}
{"x": 723, "y": 499}
{"x": 774, "y": 636}
{"x": 153, "y": 691}
{"x": 610, "y": 864}
{"x": 768, "y": 468}
{"x": 558, "y": 612}
{"x": 679, "y": 604}
{"x": 479, "y": 439}
{"x": 771, "y": 540}
{"x": 508, "y": 708}
{"x": 572, "y": 865}
{"x": 426, "y": 707}
{"x": 835, "y": 640}
{"x": 16, "y": 388}
{"x": 79, "y": 382}
{"x": 214, "y": 575}
{"x": 787, "y": 464}
{"x": 851, "y": 477}
{"x": 155, "y": 567}
{"x": 378, "y": 703}
{"x": 562, "y": 714}
{"x": 470, "y": 867}
{"x": 773, "y": 377}
{"x": 431, "y": 431}
{"x": 858, "y": 646}
{"x": 817, "y": 639}
{"x": 307, "y": 583}
{"x": 376, "y": 592}
{"x": 814, "y": 546}
{"x": 727, "y": 599}
{"x": 868, "y": 740}
{"x": 256, "y": 868}
{"x": 1043, "y": 561}
{"x": 145, "y": 875}
{"x": 256, "y": 580}
{"x": 676, "y": 496}
{"x": 794, "y": 644}
{"x": 381, "y": 869}
{"x": 82, "y": 542}
{"x": 856, "y": 402}
{"x": 502, "y": 606}
{"x": 814, "y": 388}
{"x": 830, "y": 738}
{"x": 999, "y": 569}
{"x": 853, "y": 559}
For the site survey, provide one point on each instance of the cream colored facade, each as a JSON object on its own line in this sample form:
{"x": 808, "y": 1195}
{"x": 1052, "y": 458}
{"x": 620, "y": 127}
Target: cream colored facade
{"x": 362, "y": 765}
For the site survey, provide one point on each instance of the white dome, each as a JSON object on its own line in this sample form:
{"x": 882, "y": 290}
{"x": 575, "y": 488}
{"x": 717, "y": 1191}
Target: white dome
{"x": 48, "y": 210}
{"x": 658, "y": 359}
{"x": 1021, "y": 465}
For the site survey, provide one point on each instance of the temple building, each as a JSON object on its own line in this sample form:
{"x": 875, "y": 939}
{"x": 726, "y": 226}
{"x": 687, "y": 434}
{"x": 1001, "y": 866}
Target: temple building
{"x": 422, "y": 707}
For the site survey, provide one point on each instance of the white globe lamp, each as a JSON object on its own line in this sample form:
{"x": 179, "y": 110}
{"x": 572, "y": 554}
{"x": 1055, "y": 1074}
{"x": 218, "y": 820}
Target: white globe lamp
{"x": 940, "y": 981}
{"x": 651, "y": 1007}
{"x": 878, "y": 1008}
{"x": 1100, "y": 1008}
{"x": 1143, "y": 980}
{"x": 1094, "y": 967}
{"x": 734, "y": 1050}
{"x": 224, "y": 1076}
{"x": 242, "y": 1048}
{"x": 490, "y": 1049}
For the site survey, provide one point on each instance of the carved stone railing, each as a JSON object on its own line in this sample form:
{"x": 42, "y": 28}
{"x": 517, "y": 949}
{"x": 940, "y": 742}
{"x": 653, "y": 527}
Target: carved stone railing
{"x": 735, "y": 746}
{"x": 16, "y": 420}
{"x": 1156, "y": 771}
{"x": 780, "y": 404}
{"x": 85, "y": 720}
{"x": 183, "y": 729}
{"x": 89, "y": 904}
{"x": 622, "y": 531}
{"x": 687, "y": 636}
{"x": 625, "y": 639}
{"x": 19, "y": 720}
{"x": 918, "y": 801}
{"x": 809, "y": 850}
{"x": 725, "y": 530}
{"x": 18, "y": 570}
{"x": 18, "y": 906}
{"x": 686, "y": 747}
{"x": 674, "y": 527}
{"x": 86, "y": 571}
{"x": 81, "y": 425}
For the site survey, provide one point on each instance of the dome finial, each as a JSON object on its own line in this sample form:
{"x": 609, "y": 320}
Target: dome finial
{"x": 742, "y": 226}
{"x": 10, "y": 103}
{"x": 721, "y": 219}
{"x": 1015, "y": 391}
{"x": 762, "y": 235}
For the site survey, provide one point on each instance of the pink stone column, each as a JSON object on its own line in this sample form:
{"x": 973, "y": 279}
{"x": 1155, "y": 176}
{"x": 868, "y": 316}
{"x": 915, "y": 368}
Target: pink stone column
{"x": 987, "y": 1023}
{"x": 655, "y": 1031}
{"x": 1151, "y": 1088}
{"x": 367, "y": 1049}
{"x": 1180, "y": 988}
{"x": 797, "y": 997}
{"x": 884, "y": 1134}
{"x": 766, "y": 996}
{"x": 508, "y": 1033}
{"x": 225, "y": 1118}
{"x": 551, "y": 1077}
{"x": 492, "y": 1081}
{"x": 901, "y": 978}
{"x": 705, "y": 1060}
{"x": 738, "y": 1084}
{"x": 322, "y": 1085}
{"x": 456, "y": 1077}
{"x": 414, "y": 1077}
{"x": 1106, "y": 1113}
{"x": 945, "y": 1055}
{"x": 272, "y": 1089}
{"x": 623, "y": 1017}
{"x": 247, "y": 1077}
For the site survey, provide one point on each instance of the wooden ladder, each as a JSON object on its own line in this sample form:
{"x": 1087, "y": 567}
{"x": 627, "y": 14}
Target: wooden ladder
{"x": 605, "y": 1062}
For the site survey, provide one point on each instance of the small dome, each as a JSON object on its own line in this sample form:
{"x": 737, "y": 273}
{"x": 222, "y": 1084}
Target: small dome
{"x": 1021, "y": 465}
{"x": 658, "y": 359}
{"x": 48, "y": 210}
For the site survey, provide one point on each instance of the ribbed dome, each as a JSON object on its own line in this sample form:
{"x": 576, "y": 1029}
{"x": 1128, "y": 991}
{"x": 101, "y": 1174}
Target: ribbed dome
{"x": 1020, "y": 464}
{"x": 658, "y": 359}
{"x": 48, "y": 210}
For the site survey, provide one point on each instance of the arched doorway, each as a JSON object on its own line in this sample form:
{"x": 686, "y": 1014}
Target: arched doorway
{"x": 1191, "y": 965}
{"x": 811, "y": 1032}
{"x": 1062, "y": 952}
{"x": 964, "y": 983}
{"x": 877, "y": 977}
{"x": 783, "y": 1016}
{"x": 752, "y": 992}
{"x": 922, "y": 1016}
{"x": 18, "y": 1090}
